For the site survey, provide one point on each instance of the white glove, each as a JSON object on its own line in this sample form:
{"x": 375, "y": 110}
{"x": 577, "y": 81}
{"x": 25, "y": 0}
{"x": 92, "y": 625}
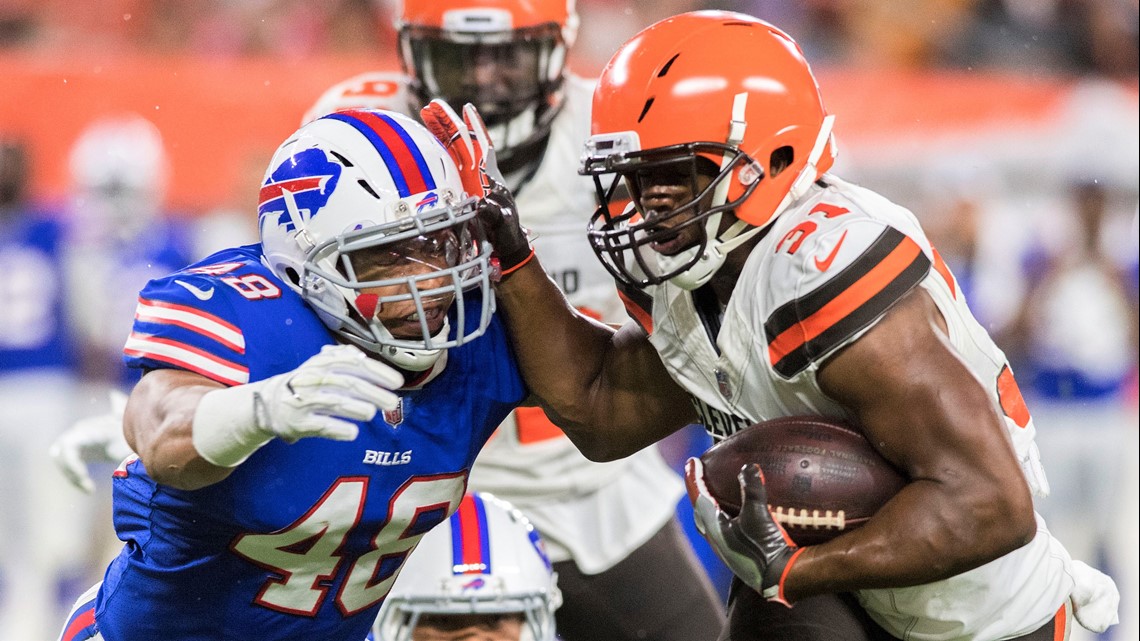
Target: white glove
{"x": 1095, "y": 598}
{"x": 95, "y": 439}
{"x": 321, "y": 398}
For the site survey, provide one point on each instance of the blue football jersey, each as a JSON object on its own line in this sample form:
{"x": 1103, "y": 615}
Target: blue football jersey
{"x": 302, "y": 541}
{"x": 33, "y": 333}
{"x": 164, "y": 246}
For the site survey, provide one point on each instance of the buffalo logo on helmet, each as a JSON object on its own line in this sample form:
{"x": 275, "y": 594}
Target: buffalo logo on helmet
{"x": 429, "y": 200}
{"x": 473, "y": 584}
{"x": 309, "y": 176}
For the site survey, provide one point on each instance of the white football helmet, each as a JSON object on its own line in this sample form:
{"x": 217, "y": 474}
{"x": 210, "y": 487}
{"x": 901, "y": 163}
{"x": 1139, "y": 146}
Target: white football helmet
{"x": 357, "y": 181}
{"x": 119, "y": 170}
{"x": 486, "y": 559}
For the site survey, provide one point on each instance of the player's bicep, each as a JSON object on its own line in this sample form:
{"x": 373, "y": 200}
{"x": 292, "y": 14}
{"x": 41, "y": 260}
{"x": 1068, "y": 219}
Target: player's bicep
{"x": 917, "y": 400}
{"x": 635, "y": 395}
{"x": 159, "y": 415}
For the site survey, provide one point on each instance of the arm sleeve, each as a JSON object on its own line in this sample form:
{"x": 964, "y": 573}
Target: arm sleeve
{"x": 185, "y": 322}
{"x": 835, "y": 286}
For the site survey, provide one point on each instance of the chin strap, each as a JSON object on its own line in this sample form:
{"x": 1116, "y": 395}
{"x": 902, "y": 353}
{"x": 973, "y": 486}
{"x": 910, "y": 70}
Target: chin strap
{"x": 717, "y": 249}
{"x": 809, "y": 174}
{"x": 735, "y": 235}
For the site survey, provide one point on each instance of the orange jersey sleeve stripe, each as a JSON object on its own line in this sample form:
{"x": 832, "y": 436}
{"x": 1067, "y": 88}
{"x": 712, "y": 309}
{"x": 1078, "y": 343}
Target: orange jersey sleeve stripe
{"x": 639, "y": 314}
{"x": 1010, "y": 398}
{"x": 941, "y": 268}
{"x": 823, "y": 319}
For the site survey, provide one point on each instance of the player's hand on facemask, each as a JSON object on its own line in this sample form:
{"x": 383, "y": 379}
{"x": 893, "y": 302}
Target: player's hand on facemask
{"x": 752, "y": 544}
{"x": 470, "y": 146}
{"x": 322, "y": 397}
{"x": 95, "y": 439}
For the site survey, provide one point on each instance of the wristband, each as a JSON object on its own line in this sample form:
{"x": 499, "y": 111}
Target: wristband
{"x": 512, "y": 269}
{"x": 225, "y": 430}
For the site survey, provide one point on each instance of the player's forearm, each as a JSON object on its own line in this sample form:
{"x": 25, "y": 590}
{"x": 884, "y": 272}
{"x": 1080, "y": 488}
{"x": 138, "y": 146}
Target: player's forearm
{"x": 967, "y": 503}
{"x": 158, "y": 424}
{"x": 926, "y": 533}
{"x": 606, "y": 389}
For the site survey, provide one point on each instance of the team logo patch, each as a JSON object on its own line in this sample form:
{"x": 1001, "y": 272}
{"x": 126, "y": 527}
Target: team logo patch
{"x": 722, "y": 383}
{"x": 309, "y": 176}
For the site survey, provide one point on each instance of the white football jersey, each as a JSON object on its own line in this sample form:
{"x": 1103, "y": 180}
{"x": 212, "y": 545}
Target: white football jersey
{"x": 826, "y": 272}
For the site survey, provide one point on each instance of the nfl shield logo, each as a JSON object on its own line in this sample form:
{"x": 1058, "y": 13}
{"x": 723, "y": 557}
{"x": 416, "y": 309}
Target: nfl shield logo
{"x": 396, "y": 416}
{"x": 722, "y": 383}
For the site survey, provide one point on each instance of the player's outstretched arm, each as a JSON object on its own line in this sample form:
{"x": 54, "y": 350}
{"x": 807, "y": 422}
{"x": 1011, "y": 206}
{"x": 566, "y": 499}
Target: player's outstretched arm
{"x": 608, "y": 390}
{"x": 967, "y": 502}
{"x": 190, "y": 431}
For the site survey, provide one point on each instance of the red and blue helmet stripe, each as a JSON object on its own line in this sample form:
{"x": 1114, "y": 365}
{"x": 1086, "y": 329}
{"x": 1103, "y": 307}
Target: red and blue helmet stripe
{"x": 406, "y": 164}
{"x": 81, "y": 623}
{"x": 470, "y": 541}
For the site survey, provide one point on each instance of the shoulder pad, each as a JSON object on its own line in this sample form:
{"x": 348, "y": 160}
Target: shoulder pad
{"x": 832, "y": 277}
{"x": 187, "y": 320}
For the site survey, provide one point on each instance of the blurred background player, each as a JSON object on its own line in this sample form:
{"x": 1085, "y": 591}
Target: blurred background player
{"x": 610, "y": 527}
{"x": 1073, "y": 342}
{"x": 37, "y": 399}
{"x": 119, "y": 236}
{"x": 481, "y": 575}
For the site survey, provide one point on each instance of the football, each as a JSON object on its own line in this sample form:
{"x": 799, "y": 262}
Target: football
{"x": 823, "y": 477}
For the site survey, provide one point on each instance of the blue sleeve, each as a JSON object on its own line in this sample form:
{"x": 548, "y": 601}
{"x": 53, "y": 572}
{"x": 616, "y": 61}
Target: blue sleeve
{"x": 184, "y": 321}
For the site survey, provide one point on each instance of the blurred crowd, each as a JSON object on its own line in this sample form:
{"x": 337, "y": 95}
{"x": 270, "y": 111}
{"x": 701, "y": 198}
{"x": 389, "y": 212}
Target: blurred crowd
{"x": 1066, "y": 36}
{"x": 1048, "y": 260}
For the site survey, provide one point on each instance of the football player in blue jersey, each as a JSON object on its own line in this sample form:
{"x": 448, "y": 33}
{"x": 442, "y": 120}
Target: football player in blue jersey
{"x": 310, "y": 406}
{"x": 38, "y": 392}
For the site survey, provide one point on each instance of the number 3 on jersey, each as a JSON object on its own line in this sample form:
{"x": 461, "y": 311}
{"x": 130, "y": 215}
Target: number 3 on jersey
{"x": 305, "y": 553}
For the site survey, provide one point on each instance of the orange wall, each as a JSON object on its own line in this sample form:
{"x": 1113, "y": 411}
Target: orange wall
{"x": 222, "y": 119}
{"x": 218, "y": 118}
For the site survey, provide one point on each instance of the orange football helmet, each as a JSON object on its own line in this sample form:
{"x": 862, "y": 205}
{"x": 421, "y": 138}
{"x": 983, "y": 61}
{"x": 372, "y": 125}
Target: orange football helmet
{"x": 708, "y": 84}
{"x": 506, "y": 57}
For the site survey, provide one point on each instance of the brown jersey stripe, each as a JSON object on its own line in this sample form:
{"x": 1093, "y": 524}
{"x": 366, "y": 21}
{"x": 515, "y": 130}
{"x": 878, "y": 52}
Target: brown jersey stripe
{"x": 855, "y": 308}
{"x": 638, "y": 304}
{"x": 941, "y": 268}
{"x": 793, "y": 312}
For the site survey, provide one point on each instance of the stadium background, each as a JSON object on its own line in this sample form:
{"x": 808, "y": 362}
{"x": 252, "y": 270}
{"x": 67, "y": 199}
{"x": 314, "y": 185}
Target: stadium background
{"x": 982, "y": 116}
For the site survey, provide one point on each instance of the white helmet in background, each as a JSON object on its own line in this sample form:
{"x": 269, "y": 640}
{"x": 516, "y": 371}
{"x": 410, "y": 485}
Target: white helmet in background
{"x": 119, "y": 171}
{"x": 486, "y": 559}
{"x": 364, "y": 180}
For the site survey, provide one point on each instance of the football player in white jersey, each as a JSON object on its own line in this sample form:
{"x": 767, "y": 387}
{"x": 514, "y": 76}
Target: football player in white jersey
{"x": 763, "y": 286}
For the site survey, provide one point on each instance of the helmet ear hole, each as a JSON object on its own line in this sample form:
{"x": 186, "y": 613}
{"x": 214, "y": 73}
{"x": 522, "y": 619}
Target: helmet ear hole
{"x": 780, "y": 160}
{"x": 293, "y": 276}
